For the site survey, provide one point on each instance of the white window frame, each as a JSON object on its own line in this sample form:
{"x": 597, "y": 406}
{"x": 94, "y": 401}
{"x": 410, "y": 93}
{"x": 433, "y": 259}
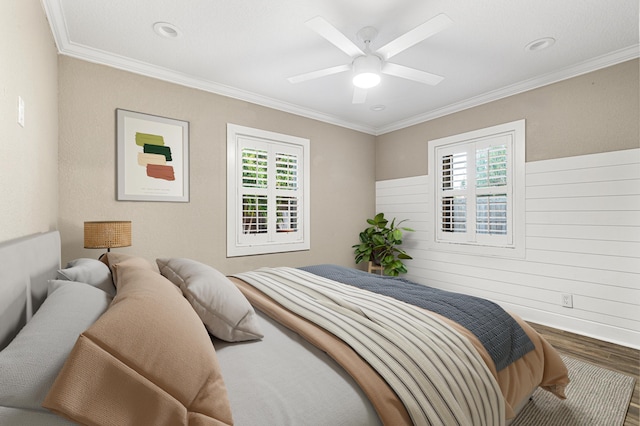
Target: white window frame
{"x": 513, "y": 243}
{"x": 240, "y": 243}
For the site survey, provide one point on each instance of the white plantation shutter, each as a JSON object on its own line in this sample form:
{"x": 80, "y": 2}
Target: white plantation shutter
{"x": 254, "y": 214}
{"x": 493, "y": 190}
{"x": 491, "y": 214}
{"x": 454, "y": 171}
{"x": 287, "y": 214}
{"x": 454, "y": 176}
{"x": 255, "y": 170}
{"x": 286, "y": 189}
{"x": 474, "y": 191}
{"x": 454, "y": 214}
{"x": 286, "y": 171}
{"x": 268, "y": 182}
{"x": 491, "y": 166}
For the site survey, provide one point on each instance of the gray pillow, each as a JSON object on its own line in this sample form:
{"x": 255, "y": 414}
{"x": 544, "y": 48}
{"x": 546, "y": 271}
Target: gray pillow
{"x": 21, "y": 416}
{"x": 223, "y": 309}
{"x": 89, "y": 271}
{"x": 33, "y": 359}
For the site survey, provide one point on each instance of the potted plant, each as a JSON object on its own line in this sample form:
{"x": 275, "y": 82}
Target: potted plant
{"x": 379, "y": 244}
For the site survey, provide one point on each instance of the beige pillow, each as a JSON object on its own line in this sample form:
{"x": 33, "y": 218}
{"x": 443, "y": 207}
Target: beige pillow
{"x": 113, "y": 258}
{"x": 147, "y": 360}
{"x": 224, "y": 310}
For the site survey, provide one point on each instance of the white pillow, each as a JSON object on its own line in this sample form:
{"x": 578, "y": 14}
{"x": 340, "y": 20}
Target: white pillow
{"x": 89, "y": 271}
{"x": 223, "y": 309}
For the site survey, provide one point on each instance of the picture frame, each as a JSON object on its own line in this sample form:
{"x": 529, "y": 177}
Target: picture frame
{"x": 152, "y": 157}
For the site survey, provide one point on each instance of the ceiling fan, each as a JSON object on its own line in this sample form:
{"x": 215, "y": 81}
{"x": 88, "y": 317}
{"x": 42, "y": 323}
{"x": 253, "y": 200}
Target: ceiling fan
{"x": 367, "y": 65}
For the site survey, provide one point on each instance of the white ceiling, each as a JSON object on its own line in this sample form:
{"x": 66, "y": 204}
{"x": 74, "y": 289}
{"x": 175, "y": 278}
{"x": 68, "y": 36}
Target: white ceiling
{"x": 246, "y": 49}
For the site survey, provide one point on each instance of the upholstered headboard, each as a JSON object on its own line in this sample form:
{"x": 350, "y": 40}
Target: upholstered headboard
{"x": 25, "y": 266}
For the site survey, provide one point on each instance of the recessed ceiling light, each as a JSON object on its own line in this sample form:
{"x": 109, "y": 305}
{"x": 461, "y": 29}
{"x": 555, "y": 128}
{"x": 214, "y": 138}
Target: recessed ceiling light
{"x": 166, "y": 29}
{"x": 540, "y": 44}
{"x": 378, "y": 107}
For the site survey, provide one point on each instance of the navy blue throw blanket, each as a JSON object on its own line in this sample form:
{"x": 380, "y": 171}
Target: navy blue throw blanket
{"x": 499, "y": 333}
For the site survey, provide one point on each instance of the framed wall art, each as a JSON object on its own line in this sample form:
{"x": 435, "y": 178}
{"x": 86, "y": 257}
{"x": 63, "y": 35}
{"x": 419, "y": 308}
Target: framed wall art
{"x": 152, "y": 157}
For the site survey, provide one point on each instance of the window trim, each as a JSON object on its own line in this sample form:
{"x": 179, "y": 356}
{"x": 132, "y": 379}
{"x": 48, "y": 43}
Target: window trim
{"x": 237, "y": 244}
{"x": 483, "y": 245}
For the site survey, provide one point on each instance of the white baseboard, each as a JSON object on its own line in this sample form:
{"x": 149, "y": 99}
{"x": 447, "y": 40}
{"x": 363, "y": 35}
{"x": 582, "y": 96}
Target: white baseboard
{"x": 616, "y": 335}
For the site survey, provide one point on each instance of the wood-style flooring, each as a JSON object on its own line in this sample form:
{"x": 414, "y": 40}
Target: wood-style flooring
{"x": 607, "y": 355}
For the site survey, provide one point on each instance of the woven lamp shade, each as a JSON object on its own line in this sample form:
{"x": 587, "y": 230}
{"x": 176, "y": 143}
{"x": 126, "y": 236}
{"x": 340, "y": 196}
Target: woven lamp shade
{"x": 107, "y": 234}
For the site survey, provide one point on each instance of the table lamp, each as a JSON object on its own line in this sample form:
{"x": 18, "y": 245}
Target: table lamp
{"x": 107, "y": 234}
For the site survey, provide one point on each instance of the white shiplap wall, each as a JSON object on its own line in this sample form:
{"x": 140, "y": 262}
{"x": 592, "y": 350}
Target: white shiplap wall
{"x": 582, "y": 238}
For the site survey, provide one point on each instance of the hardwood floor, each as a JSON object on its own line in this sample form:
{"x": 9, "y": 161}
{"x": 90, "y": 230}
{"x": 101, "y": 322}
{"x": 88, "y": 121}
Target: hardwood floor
{"x": 606, "y": 355}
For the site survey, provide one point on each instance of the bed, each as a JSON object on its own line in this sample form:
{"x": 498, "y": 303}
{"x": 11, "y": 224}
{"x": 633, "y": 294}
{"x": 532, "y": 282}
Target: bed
{"x": 130, "y": 341}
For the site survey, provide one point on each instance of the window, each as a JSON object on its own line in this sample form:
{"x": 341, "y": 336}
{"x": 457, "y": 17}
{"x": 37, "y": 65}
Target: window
{"x": 267, "y": 192}
{"x": 477, "y": 179}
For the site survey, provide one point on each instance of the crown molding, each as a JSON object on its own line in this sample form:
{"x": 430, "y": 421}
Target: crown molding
{"x": 66, "y": 47}
{"x": 604, "y": 61}
{"x": 142, "y": 68}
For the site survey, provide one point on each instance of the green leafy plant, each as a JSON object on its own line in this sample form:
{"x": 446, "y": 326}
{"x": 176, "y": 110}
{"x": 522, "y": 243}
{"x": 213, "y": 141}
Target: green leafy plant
{"x": 379, "y": 244}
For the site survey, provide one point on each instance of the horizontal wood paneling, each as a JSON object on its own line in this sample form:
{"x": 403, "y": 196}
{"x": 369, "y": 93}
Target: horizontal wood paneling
{"x": 586, "y": 232}
{"x": 582, "y": 238}
{"x": 585, "y": 203}
{"x": 545, "y": 270}
{"x": 585, "y": 245}
{"x": 622, "y": 218}
{"x": 577, "y": 175}
{"x": 583, "y": 189}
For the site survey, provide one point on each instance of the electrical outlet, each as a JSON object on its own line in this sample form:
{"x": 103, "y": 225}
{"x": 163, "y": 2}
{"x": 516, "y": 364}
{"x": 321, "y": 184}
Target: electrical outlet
{"x": 567, "y": 300}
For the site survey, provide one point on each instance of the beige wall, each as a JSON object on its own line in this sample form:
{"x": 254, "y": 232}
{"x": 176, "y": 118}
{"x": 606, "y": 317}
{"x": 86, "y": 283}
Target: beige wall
{"x": 592, "y": 113}
{"x": 29, "y": 154}
{"x": 342, "y": 171}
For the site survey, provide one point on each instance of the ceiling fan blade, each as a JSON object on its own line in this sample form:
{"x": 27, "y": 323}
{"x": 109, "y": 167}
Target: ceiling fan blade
{"x": 359, "y": 95}
{"x": 411, "y": 74}
{"x": 416, "y": 35}
{"x": 319, "y": 73}
{"x": 331, "y": 33}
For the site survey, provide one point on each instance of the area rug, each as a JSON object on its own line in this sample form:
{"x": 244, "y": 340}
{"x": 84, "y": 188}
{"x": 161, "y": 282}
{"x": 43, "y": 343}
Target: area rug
{"x": 595, "y": 396}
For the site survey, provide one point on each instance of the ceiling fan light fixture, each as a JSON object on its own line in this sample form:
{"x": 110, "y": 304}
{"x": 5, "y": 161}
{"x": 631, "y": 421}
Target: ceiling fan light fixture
{"x": 366, "y": 80}
{"x": 366, "y": 71}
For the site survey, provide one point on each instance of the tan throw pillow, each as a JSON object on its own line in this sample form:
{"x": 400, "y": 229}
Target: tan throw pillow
{"x": 224, "y": 310}
{"x": 147, "y": 360}
{"x": 113, "y": 258}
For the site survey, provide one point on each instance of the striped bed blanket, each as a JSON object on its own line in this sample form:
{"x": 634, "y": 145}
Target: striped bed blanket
{"x": 499, "y": 333}
{"x": 434, "y": 370}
